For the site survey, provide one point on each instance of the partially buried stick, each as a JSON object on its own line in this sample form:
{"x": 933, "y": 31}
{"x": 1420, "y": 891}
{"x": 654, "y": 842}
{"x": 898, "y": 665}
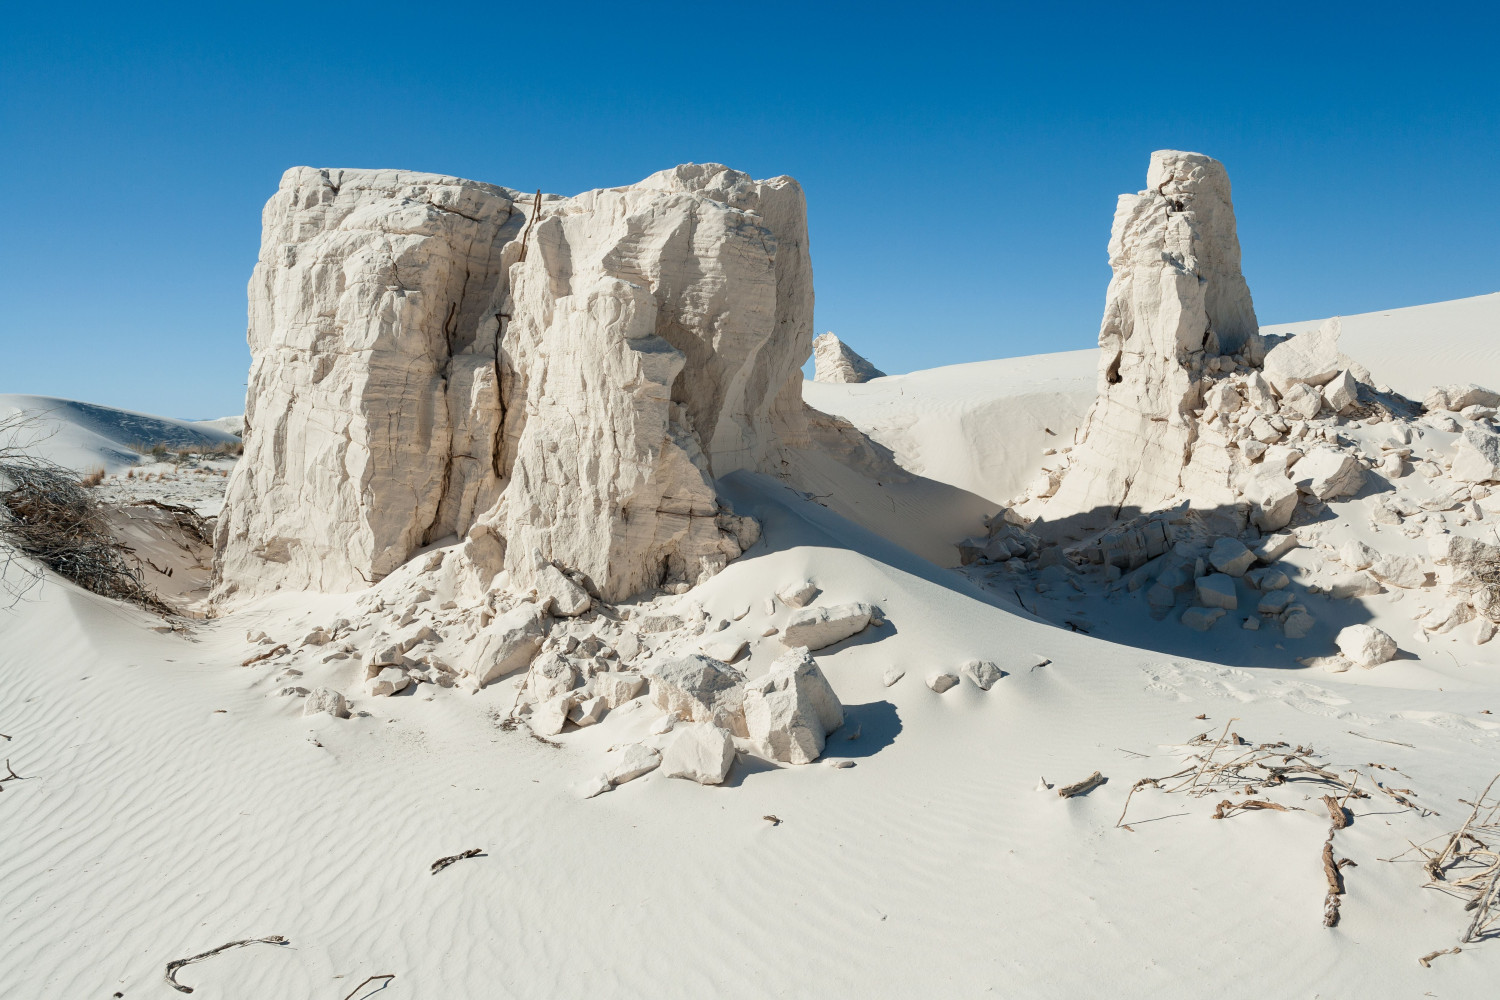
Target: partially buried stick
{"x": 1083, "y": 787}
{"x": 442, "y": 863}
{"x": 172, "y": 967}
{"x": 367, "y": 982}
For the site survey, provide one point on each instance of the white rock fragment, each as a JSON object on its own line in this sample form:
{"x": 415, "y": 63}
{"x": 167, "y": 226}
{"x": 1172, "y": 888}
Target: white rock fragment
{"x": 1297, "y": 624}
{"x": 891, "y": 675}
{"x": 587, "y": 712}
{"x": 942, "y": 680}
{"x": 1274, "y": 497}
{"x": 1478, "y": 457}
{"x": 326, "y": 700}
{"x": 1310, "y": 358}
{"x": 1457, "y": 397}
{"x": 630, "y": 763}
{"x": 797, "y": 595}
{"x": 1201, "y": 619}
{"x": 1273, "y": 547}
{"x": 618, "y": 687}
{"x": 698, "y": 751}
{"x": 697, "y": 688}
{"x": 1328, "y": 474}
{"x": 983, "y": 673}
{"x": 1357, "y": 555}
{"x": 1216, "y": 590}
{"x": 505, "y": 645}
{"x": 818, "y": 627}
{"x": 726, "y": 649}
{"x": 1229, "y": 556}
{"x": 1366, "y": 645}
{"x": 387, "y": 682}
{"x": 1342, "y": 393}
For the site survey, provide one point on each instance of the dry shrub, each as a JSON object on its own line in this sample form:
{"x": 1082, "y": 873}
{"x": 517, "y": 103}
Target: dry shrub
{"x": 47, "y": 514}
{"x": 94, "y": 478}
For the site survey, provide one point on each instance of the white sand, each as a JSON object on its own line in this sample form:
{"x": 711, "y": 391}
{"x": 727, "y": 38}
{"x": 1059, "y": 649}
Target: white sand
{"x": 84, "y": 436}
{"x": 172, "y": 802}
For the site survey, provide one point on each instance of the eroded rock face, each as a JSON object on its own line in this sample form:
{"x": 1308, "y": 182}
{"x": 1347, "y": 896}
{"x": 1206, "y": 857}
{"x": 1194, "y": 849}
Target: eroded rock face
{"x": 836, "y": 361}
{"x": 1176, "y": 300}
{"x": 435, "y": 358}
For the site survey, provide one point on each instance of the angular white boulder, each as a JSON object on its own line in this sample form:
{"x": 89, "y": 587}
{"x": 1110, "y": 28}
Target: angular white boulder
{"x": 1342, "y": 393}
{"x": 1456, "y": 397}
{"x": 1201, "y": 619}
{"x": 387, "y": 682}
{"x": 1328, "y": 474}
{"x": 617, "y": 687}
{"x": 698, "y": 751}
{"x": 1366, "y": 645}
{"x": 1230, "y": 556}
{"x": 1310, "y": 358}
{"x": 983, "y": 673}
{"x": 942, "y": 680}
{"x": 1217, "y": 591}
{"x": 1275, "y": 499}
{"x": 821, "y": 626}
{"x": 1477, "y": 459}
{"x": 698, "y": 688}
{"x": 630, "y": 763}
{"x": 325, "y": 700}
{"x": 791, "y": 710}
{"x": 506, "y": 644}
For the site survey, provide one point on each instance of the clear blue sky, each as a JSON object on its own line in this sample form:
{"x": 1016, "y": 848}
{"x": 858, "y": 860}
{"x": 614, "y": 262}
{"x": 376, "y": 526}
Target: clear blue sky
{"x": 960, "y": 162}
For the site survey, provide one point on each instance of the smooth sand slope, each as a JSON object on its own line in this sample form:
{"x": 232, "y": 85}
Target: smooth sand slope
{"x": 84, "y": 436}
{"x": 170, "y": 801}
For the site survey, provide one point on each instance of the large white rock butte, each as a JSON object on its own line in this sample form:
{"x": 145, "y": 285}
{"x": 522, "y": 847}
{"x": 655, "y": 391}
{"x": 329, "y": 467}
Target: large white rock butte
{"x": 434, "y": 357}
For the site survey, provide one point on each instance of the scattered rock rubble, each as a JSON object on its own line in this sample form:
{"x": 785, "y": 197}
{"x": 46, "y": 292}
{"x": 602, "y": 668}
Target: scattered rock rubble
{"x": 1216, "y": 463}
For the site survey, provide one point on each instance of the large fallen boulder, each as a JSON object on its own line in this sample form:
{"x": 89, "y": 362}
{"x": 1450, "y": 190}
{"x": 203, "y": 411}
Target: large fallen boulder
{"x": 821, "y": 626}
{"x": 1310, "y": 358}
{"x": 790, "y": 711}
{"x": 1456, "y": 397}
{"x": 1366, "y": 645}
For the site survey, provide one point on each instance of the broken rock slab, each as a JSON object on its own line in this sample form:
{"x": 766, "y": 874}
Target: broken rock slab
{"x": 1456, "y": 397}
{"x": 630, "y": 763}
{"x": 387, "y": 682}
{"x": 698, "y": 751}
{"x": 942, "y": 680}
{"x": 1310, "y": 358}
{"x": 1230, "y": 556}
{"x": 1216, "y": 590}
{"x": 1201, "y": 619}
{"x": 818, "y": 627}
{"x": 1478, "y": 457}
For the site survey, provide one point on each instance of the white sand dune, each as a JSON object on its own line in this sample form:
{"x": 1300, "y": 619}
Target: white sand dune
{"x": 983, "y": 426}
{"x": 170, "y": 801}
{"x": 171, "y": 804}
{"x": 84, "y": 436}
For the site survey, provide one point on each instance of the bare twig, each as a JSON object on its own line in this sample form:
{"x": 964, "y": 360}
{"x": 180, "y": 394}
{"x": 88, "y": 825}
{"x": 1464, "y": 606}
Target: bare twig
{"x": 172, "y": 967}
{"x": 1227, "y": 808}
{"x": 1336, "y": 812}
{"x": 267, "y": 655}
{"x": 442, "y": 863}
{"x": 1083, "y": 787}
{"x": 1426, "y": 959}
{"x": 367, "y": 982}
{"x": 1335, "y": 883}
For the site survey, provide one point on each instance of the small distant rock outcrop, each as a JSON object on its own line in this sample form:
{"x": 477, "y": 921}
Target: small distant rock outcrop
{"x": 836, "y": 361}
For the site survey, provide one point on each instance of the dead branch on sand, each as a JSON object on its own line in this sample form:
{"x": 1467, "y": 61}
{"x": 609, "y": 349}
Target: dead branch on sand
{"x": 172, "y": 967}
{"x": 1426, "y": 959}
{"x": 367, "y": 982}
{"x": 1083, "y": 787}
{"x": 10, "y": 774}
{"x": 442, "y": 863}
{"x": 1468, "y": 865}
{"x": 273, "y": 651}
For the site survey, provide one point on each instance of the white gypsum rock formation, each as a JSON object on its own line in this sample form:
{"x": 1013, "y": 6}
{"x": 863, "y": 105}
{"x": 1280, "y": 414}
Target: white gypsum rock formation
{"x": 434, "y": 359}
{"x": 1176, "y": 303}
{"x": 836, "y": 361}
